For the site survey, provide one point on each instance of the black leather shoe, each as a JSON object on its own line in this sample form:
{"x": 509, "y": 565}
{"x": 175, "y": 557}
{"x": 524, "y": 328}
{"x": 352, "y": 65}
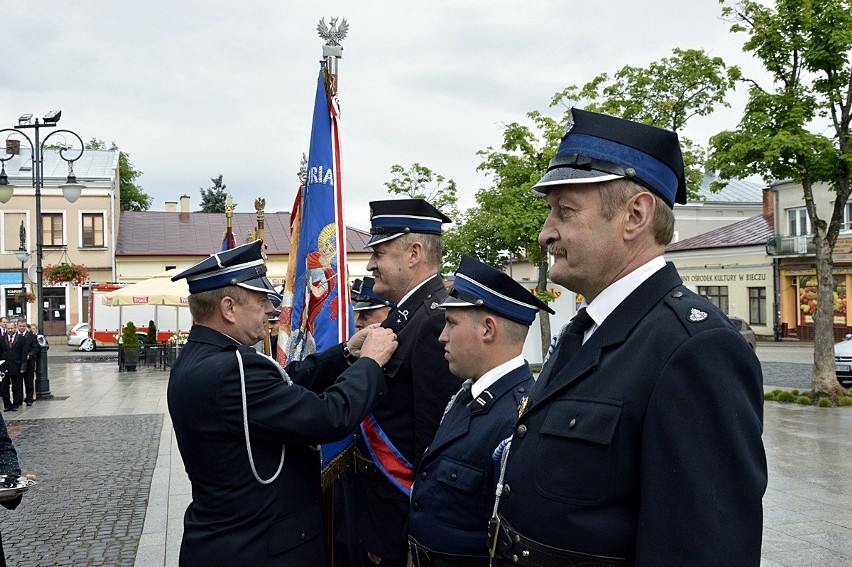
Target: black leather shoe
{"x": 14, "y": 408}
{"x": 29, "y": 404}
{"x": 7, "y": 408}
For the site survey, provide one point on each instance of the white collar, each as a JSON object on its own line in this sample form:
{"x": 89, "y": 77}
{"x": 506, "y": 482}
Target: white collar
{"x": 495, "y": 374}
{"x": 611, "y": 297}
{"x": 415, "y": 288}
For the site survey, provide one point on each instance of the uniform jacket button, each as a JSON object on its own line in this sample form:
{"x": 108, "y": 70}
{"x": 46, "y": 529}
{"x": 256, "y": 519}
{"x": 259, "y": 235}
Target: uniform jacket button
{"x": 507, "y": 491}
{"x": 522, "y": 430}
{"x": 423, "y": 475}
{"x": 454, "y": 477}
{"x": 572, "y": 423}
{"x": 416, "y": 506}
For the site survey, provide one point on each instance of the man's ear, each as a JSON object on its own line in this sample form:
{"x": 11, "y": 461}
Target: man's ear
{"x": 415, "y": 253}
{"x": 639, "y": 214}
{"x": 488, "y": 329}
{"x": 226, "y": 309}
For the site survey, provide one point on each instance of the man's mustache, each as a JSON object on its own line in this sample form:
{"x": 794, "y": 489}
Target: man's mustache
{"x": 555, "y": 250}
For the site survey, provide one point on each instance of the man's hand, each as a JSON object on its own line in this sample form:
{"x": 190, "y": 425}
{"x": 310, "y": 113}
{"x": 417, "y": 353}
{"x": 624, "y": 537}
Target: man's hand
{"x": 379, "y": 344}
{"x": 354, "y": 343}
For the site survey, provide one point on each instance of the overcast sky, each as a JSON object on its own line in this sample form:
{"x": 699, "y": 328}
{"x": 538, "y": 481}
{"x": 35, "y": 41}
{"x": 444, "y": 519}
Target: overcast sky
{"x": 192, "y": 89}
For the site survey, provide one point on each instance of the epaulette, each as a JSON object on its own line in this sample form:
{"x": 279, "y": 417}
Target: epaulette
{"x": 692, "y": 311}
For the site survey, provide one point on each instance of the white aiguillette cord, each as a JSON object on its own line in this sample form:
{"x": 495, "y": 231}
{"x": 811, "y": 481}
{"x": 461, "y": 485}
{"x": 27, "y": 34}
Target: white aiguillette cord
{"x": 245, "y": 421}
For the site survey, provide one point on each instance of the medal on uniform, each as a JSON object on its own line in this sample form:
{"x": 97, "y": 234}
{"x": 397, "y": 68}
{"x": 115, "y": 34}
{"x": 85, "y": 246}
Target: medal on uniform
{"x": 523, "y": 406}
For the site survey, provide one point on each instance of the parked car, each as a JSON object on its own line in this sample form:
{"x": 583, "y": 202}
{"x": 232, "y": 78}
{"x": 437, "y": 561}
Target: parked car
{"x": 745, "y": 330}
{"x": 843, "y": 361}
{"x": 89, "y": 345}
{"x": 78, "y": 334}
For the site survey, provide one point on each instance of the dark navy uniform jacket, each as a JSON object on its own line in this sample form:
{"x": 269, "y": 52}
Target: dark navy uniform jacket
{"x": 419, "y": 386}
{"x": 233, "y": 519}
{"x": 453, "y": 495}
{"x": 647, "y": 444}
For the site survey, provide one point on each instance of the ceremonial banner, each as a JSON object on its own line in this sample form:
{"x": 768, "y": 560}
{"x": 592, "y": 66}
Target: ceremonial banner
{"x": 321, "y": 315}
{"x": 229, "y": 241}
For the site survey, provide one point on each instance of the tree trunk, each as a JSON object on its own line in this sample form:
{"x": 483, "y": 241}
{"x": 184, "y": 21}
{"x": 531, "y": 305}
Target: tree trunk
{"x": 824, "y": 378}
{"x": 543, "y": 316}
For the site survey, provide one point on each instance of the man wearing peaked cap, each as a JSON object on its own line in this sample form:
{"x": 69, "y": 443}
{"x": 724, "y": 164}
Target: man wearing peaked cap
{"x": 487, "y": 317}
{"x": 369, "y": 308}
{"x": 246, "y": 428}
{"x": 406, "y": 243}
{"x": 393, "y": 218}
{"x": 641, "y": 442}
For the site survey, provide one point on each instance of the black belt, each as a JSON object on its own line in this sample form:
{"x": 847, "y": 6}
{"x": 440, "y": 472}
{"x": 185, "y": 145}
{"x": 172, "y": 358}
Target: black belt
{"x": 508, "y": 544}
{"x": 363, "y": 465}
{"x": 422, "y": 556}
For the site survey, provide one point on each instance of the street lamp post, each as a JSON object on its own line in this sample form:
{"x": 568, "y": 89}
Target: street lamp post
{"x": 22, "y": 256}
{"x": 70, "y": 189}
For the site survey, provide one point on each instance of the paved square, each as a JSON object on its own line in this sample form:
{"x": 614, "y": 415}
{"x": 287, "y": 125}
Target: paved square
{"x": 94, "y": 480}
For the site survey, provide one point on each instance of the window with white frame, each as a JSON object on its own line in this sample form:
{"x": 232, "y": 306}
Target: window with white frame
{"x": 847, "y": 217}
{"x": 92, "y": 230}
{"x": 798, "y": 222}
{"x": 757, "y": 305}
{"x": 52, "y": 229}
{"x": 12, "y": 230}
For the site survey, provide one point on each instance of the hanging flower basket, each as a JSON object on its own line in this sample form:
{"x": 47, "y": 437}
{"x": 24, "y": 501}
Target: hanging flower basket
{"x": 29, "y": 297}
{"x": 65, "y": 272}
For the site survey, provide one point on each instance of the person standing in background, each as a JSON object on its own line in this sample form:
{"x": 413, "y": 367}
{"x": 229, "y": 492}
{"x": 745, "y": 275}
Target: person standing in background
{"x": 14, "y": 352}
{"x": 406, "y": 259}
{"x": 369, "y": 308}
{"x": 28, "y": 371}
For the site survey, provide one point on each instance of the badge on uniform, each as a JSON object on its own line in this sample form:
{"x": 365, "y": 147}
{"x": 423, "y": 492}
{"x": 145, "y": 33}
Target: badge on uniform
{"x": 398, "y": 319}
{"x": 523, "y": 406}
{"x": 696, "y": 315}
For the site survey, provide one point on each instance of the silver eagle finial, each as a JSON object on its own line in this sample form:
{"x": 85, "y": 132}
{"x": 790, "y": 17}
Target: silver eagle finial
{"x": 303, "y": 169}
{"x": 333, "y": 34}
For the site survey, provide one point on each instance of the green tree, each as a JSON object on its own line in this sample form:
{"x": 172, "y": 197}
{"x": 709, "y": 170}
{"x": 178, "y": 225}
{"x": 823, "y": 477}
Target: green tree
{"x": 797, "y": 127}
{"x": 420, "y": 182}
{"x": 666, "y": 94}
{"x": 131, "y": 195}
{"x": 508, "y": 217}
{"x": 213, "y": 199}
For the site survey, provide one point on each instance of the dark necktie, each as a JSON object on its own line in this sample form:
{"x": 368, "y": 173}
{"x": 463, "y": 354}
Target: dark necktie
{"x": 572, "y": 339}
{"x": 460, "y": 402}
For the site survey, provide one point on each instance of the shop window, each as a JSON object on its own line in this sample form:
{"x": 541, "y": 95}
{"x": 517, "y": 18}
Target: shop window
{"x": 757, "y": 305}
{"x": 715, "y": 294}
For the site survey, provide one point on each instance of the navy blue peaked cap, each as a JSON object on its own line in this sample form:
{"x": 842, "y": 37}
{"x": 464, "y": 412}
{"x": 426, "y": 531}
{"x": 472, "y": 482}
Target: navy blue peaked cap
{"x": 479, "y": 285}
{"x": 597, "y": 147}
{"x": 364, "y": 298}
{"x": 242, "y": 266}
{"x": 392, "y": 218}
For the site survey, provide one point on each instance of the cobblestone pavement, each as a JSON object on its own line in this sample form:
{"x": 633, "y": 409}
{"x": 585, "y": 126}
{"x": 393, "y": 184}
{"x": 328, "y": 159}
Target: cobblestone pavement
{"x": 94, "y": 480}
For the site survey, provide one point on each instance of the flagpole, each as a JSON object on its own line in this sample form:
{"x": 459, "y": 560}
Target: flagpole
{"x": 335, "y": 456}
{"x": 229, "y": 241}
{"x": 259, "y": 204}
{"x": 332, "y": 51}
